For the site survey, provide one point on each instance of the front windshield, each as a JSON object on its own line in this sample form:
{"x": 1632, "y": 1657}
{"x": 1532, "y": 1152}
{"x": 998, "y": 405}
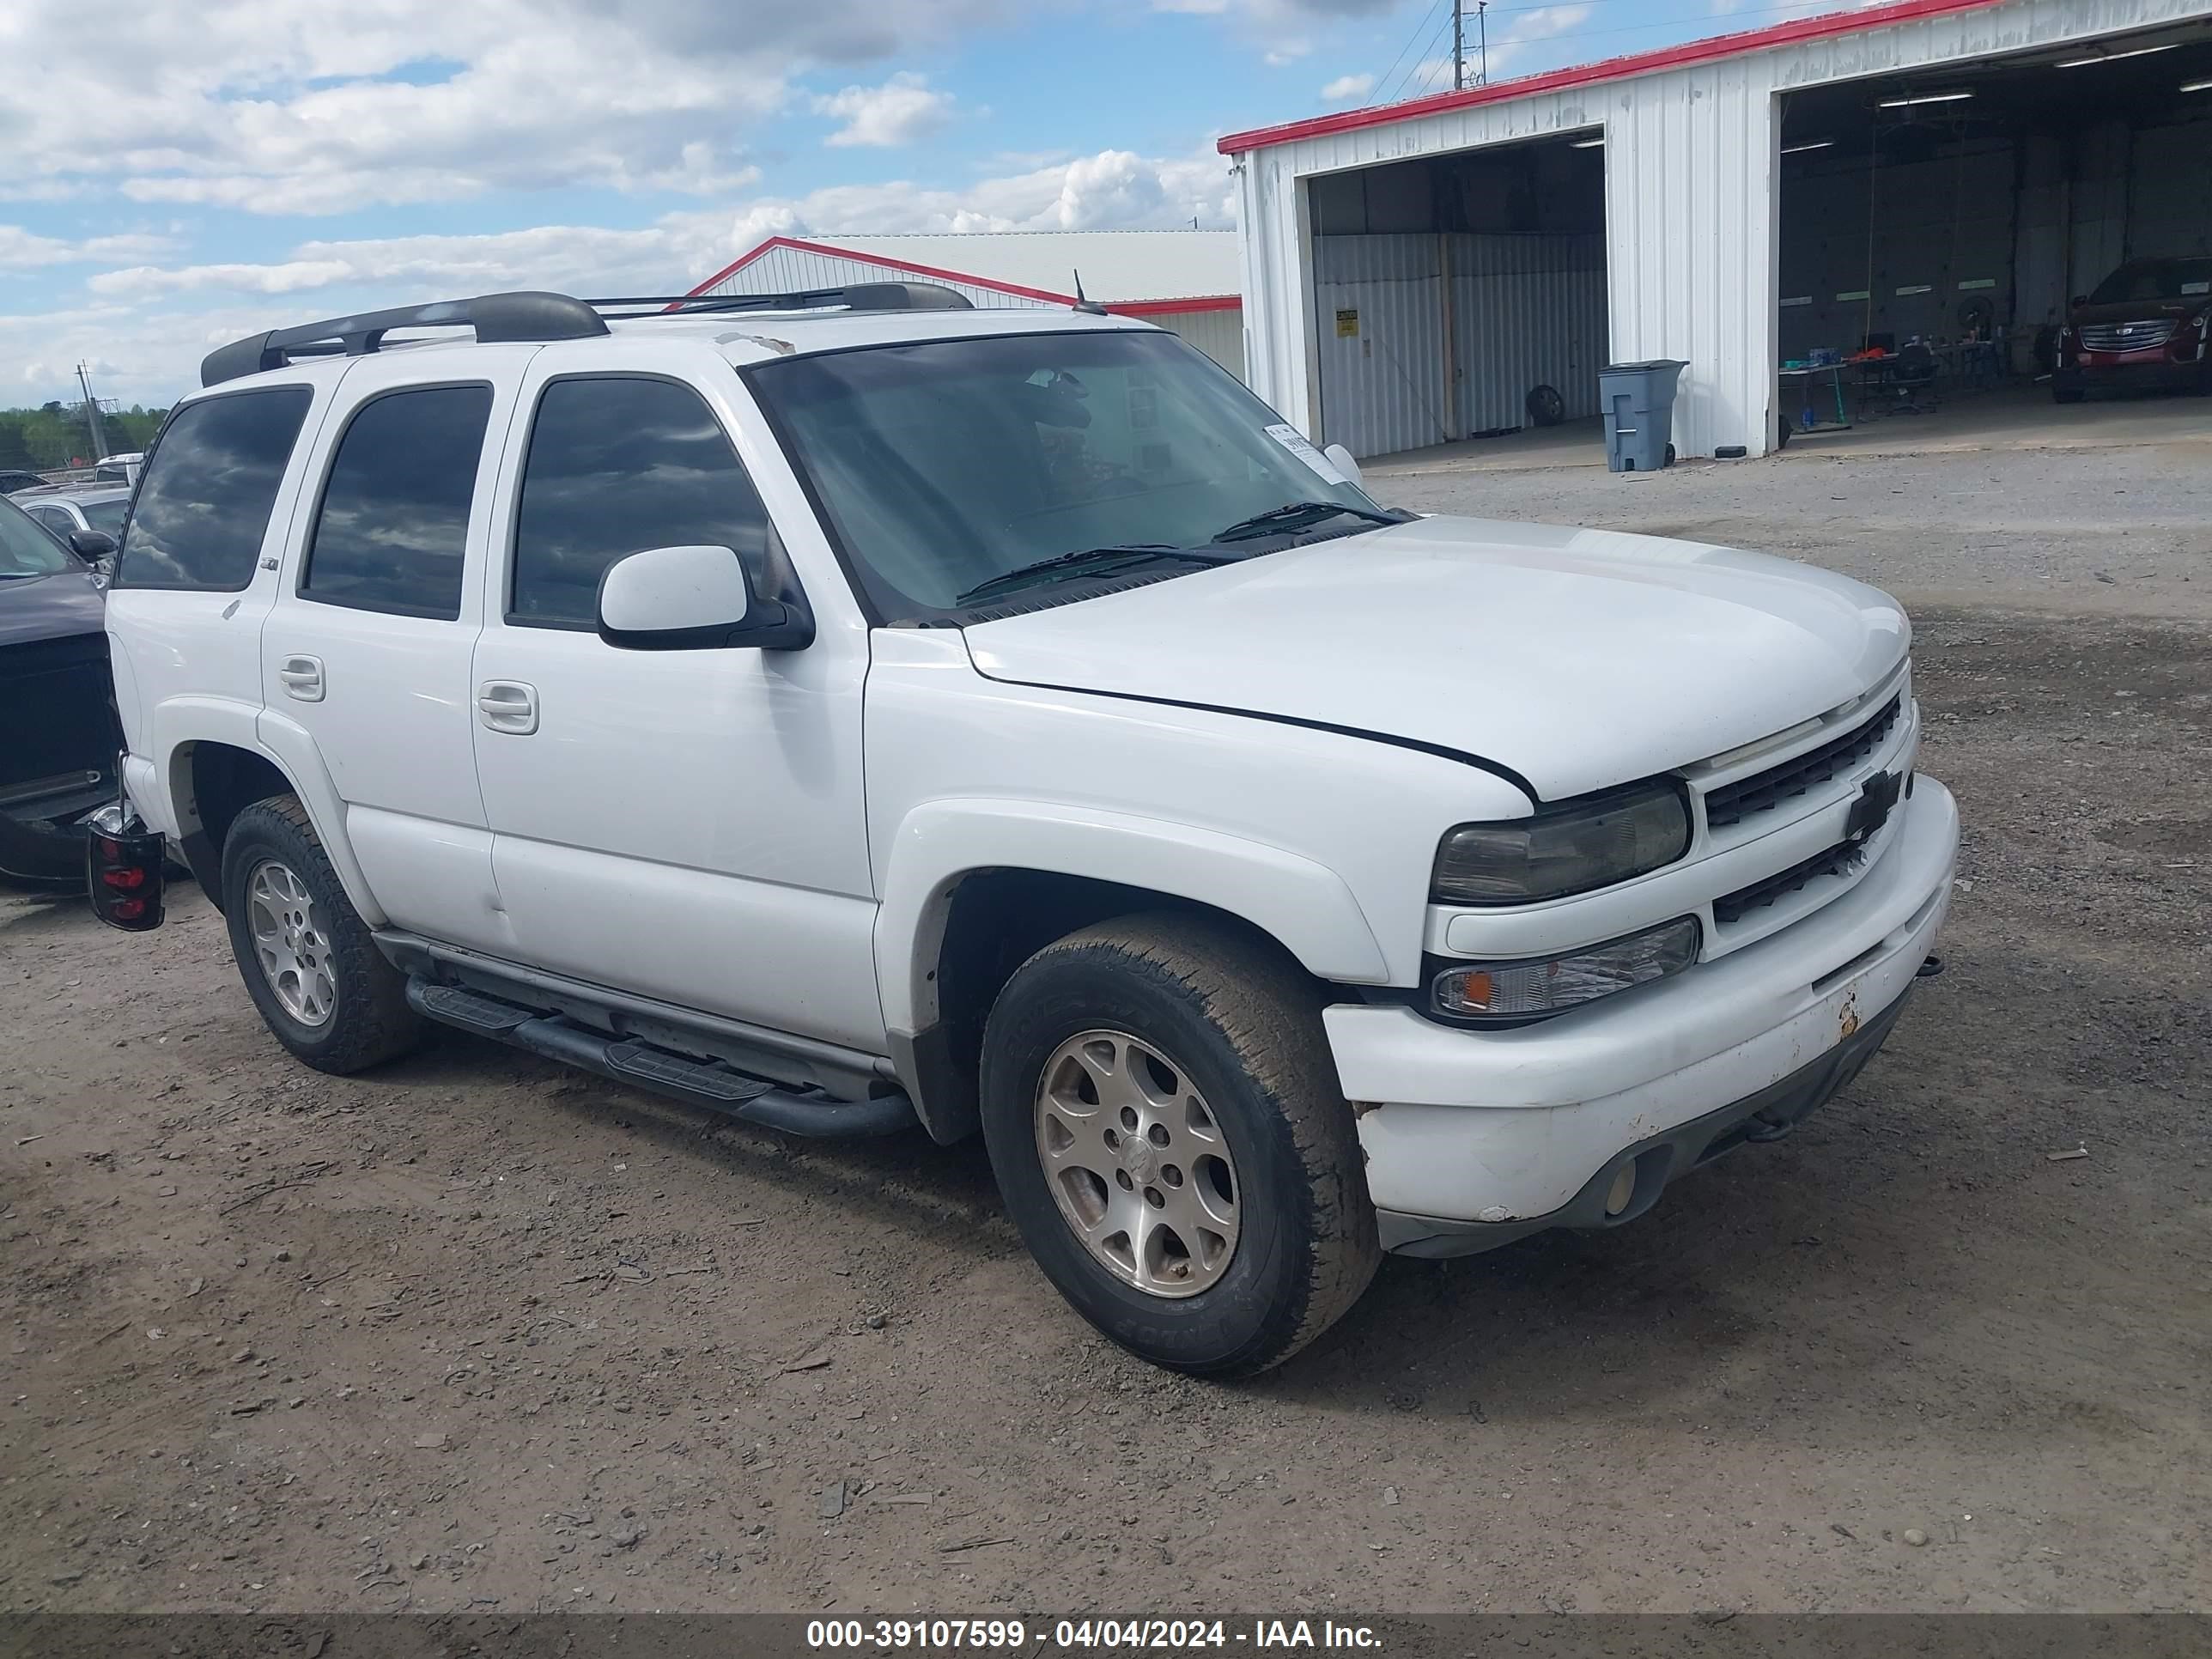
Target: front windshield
{"x": 2155, "y": 279}
{"x": 25, "y": 550}
{"x": 944, "y": 464}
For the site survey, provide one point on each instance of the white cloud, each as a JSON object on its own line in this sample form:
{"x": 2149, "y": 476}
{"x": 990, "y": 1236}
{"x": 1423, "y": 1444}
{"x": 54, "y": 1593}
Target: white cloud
{"x": 1348, "y": 85}
{"x": 1286, "y": 52}
{"x": 1279, "y": 11}
{"x": 22, "y": 250}
{"x": 271, "y": 106}
{"x": 902, "y": 110}
{"x": 133, "y": 316}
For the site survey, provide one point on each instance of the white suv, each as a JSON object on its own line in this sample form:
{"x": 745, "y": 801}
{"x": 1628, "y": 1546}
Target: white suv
{"x": 852, "y": 709}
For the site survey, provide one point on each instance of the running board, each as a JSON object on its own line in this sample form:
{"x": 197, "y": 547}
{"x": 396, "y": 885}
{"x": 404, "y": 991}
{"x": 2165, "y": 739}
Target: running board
{"x": 711, "y": 1084}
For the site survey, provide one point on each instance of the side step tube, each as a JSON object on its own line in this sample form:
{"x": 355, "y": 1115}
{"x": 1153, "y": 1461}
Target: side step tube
{"x": 711, "y": 1084}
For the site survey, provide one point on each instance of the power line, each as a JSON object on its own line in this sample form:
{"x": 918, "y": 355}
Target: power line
{"x": 1383, "y": 80}
{"x": 1406, "y": 81}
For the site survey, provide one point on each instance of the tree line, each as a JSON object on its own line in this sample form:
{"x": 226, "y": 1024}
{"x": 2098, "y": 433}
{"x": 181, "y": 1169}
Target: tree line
{"x": 56, "y": 435}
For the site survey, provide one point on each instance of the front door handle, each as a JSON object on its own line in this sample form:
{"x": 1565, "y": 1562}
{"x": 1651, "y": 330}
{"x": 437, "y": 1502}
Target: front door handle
{"x": 509, "y": 705}
{"x": 302, "y": 678}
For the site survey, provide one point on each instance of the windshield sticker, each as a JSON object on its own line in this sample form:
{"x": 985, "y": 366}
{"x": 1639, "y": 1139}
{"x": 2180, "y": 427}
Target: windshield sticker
{"x": 1292, "y": 440}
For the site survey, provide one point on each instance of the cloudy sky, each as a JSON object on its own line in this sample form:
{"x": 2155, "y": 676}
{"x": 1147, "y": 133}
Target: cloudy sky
{"x": 211, "y": 167}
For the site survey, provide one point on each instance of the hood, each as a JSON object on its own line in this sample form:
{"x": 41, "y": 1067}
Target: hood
{"x": 1579, "y": 659}
{"x": 2138, "y": 311}
{"x": 50, "y": 607}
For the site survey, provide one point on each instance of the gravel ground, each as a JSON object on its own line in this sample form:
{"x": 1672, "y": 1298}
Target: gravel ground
{"x": 474, "y": 1334}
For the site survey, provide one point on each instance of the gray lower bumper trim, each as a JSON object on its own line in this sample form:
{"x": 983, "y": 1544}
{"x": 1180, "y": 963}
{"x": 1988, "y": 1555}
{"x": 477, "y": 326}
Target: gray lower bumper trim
{"x": 1770, "y": 1114}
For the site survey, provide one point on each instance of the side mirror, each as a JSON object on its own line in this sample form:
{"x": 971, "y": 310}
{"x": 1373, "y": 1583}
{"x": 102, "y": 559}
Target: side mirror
{"x": 693, "y": 599}
{"x": 1342, "y": 458}
{"x": 92, "y": 545}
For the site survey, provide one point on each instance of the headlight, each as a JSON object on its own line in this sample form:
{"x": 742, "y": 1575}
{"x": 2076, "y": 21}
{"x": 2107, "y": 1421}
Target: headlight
{"x": 1565, "y": 849}
{"x": 1526, "y": 989}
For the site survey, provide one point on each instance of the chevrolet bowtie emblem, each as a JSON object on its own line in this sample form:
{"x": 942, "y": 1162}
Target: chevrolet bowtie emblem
{"x": 1872, "y": 808}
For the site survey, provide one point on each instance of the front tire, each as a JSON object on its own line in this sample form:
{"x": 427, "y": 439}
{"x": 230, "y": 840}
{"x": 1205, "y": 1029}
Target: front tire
{"x": 322, "y": 986}
{"x": 1164, "y": 1119}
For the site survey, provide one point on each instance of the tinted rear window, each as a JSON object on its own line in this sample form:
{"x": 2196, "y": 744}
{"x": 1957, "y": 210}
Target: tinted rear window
{"x": 395, "y": 513}
{"x": 204, "y": 505}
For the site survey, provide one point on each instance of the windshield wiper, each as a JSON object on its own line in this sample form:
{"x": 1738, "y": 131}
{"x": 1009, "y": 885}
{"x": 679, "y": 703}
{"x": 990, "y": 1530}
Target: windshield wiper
{"x": 1297, "y": 515}
{"x": 1088, "y": 561}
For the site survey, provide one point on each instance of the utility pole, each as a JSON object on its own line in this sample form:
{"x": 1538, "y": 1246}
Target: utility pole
{"x": 92, "y": 415}
{"x": 1459, "y": 48}
{"x": 1482, "y": 42}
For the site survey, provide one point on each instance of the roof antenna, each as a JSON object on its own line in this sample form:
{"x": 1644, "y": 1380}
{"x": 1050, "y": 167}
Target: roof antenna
{"x": 1090, "y": 306}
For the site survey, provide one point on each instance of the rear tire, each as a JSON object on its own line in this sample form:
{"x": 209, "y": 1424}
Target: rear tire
{"x": 1230, "y": 1034}
{"x": 322, "y": 986}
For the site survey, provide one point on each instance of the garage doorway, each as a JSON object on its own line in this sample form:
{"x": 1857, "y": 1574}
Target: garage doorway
{"x": 1460, "y": 296}
{"x": 1952, "y": 221}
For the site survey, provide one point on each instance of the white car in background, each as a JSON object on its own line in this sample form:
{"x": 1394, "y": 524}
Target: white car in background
{"x": 852, "y": 711}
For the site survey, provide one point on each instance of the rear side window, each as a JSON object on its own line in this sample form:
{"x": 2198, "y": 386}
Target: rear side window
{"x": 617, "y": 466}
{"x": 204, "y": 505}
{"x": 394, "y": 521}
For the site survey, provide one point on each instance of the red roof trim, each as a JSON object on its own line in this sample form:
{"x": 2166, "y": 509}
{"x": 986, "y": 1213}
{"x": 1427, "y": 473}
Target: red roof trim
{"x": 1174, "y": 307}
{"x": 1611, "y": 69}
{"x": 1127, "y": 308}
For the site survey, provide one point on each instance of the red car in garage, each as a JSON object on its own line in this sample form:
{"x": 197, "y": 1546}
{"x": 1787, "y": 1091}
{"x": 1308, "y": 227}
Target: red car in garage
{"x": 2147, "y": 325}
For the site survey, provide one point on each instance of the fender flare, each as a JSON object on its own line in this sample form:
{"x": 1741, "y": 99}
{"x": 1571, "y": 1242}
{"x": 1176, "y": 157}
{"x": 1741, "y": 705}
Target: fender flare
{"x": 1305, "y": 906}
{"x": 185, "y": 721}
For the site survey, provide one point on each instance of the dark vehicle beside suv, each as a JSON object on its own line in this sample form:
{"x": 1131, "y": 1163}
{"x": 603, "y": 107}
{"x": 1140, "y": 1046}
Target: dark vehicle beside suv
{"x": 59, "y": 735}
{"x": 2148, "y": 325}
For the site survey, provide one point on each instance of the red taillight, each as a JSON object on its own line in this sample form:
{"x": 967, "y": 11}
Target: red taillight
{"x": 123, "y": 868}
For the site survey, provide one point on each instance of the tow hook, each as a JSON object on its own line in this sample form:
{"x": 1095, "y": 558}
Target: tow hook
{"x": 1929, "y": 969}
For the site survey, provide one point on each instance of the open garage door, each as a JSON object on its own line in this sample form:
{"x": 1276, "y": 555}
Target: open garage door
{"x": 1939, "y": 233}
{"x": 1461, "y": 295}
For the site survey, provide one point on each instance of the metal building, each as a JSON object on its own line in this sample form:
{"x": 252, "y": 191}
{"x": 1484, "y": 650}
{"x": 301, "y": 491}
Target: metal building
{"x": 1412, "y": 273}
{"x": 1185, "y": 281}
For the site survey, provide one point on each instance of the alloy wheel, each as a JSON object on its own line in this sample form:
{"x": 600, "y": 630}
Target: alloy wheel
{"x": 290, "y": 943}
{"x": 1138, "y": 1163}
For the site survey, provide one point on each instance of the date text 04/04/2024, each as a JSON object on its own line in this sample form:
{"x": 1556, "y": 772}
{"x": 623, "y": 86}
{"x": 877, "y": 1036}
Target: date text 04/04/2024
{"x": 1082, "y": 1634}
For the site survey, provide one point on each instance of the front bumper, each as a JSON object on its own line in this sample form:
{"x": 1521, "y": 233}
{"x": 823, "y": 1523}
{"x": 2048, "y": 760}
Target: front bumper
{"x": 1507, "y": 1132}
{"x": 1608, "y": 1200}
{"x": 2145, "y": 374}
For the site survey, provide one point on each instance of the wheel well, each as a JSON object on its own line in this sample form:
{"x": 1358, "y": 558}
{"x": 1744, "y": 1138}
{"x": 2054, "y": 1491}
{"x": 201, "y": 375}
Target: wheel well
{"x": 224, "y": 780}
{"x": 996, "y": 921}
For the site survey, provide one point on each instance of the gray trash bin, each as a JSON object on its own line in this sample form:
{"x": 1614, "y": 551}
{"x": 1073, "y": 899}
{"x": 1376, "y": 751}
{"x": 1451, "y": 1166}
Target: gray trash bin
{"x": 1638, "y": 400}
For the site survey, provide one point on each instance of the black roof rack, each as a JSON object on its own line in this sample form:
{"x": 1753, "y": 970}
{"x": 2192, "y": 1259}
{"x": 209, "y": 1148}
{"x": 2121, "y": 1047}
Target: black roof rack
{"x": 524, "y": 316}
{"x": 540, "y": 316}
{"x": 854, "y": 296}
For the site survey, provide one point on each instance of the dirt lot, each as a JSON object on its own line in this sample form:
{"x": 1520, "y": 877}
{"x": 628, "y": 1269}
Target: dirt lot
{"x": 474, "y": 1334}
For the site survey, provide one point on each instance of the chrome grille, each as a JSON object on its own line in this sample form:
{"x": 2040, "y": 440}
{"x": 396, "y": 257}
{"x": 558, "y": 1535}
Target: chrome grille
{"x": 2126, "y": 336}
{"x": 1732, "y": 803}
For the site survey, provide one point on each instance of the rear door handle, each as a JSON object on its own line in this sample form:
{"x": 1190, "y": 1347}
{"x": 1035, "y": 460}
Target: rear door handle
{"x": 509, "y": 705}
{"x": 302, "y": 678}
